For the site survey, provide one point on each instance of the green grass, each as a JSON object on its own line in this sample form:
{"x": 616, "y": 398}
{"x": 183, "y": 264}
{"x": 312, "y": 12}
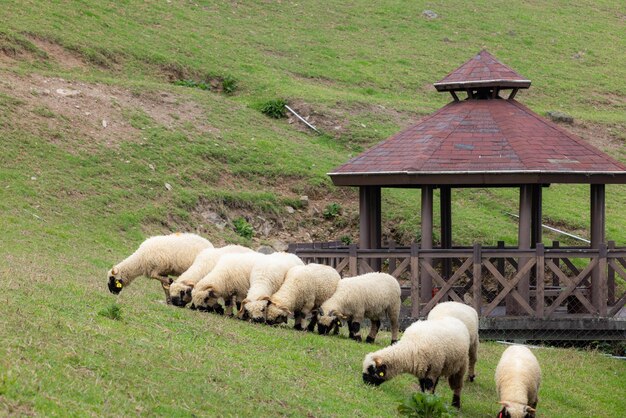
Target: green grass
{"x": 72, "y": 205}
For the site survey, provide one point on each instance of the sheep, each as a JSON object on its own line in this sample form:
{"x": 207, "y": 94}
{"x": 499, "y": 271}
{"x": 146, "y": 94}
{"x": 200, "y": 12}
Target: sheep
{"x": 469, "y": 317}
{"x": 370, "y": 295}
{"x": 428, "y": 350}
{"x": 157, "y": 258}
{"x": 304, "y": 290}
{"x": 266, "y": 278}
{"x": 518, "y": 377}
{"x": 229, "y": 279}
{"x": 180, "y": 290}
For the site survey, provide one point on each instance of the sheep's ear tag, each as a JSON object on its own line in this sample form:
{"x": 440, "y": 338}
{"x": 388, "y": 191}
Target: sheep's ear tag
{"x": 119, "y": 284}
{"x": 381, "y": 374}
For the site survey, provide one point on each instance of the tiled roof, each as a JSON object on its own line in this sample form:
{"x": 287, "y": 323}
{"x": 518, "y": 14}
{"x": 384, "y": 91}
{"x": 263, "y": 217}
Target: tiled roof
{"x": 482, "y": 136}
{"x": 482, "y": 70}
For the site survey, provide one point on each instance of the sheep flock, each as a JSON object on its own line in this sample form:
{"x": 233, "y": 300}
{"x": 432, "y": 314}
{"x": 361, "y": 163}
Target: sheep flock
{"x": 239, "y": 282}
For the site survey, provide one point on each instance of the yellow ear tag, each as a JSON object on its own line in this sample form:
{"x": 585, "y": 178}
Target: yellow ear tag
{"x": 118, "y": 284}
{"x": 381, "y": 374}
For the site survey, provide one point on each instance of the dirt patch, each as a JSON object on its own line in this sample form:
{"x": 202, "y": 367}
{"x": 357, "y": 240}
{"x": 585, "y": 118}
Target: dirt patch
{"x": 58, "y": 109}
{"x": 608, "y": 138}
{"x": 65, "y": 59}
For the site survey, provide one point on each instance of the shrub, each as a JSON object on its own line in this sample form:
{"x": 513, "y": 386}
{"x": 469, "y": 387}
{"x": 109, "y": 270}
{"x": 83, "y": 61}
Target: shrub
{"x": 113, "y": 312}
{"x": 243, "y": 228}
{"x": 332, "y": 211}
{"x": 346, "y": 240}
{"x": 274, "y": 108}
{"x": 229, "y": 84}
{"x": 425, "y": 405}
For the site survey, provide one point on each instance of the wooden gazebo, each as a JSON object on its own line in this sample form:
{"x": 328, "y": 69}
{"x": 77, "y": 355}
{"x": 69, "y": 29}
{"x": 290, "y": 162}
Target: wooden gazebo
{"x": 486, "y": 138}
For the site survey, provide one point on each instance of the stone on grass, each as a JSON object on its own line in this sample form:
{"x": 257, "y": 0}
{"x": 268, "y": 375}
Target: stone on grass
{"x": 558, "y": 116}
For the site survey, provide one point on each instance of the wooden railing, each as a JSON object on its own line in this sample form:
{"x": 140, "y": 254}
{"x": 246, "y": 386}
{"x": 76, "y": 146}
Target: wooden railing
{"x": 542, "y": 283}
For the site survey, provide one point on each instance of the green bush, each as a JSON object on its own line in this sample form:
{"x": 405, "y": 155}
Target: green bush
{"x": 425, "y": 405}
{"x": 346, "y": 240}
{"x": 332, "y": 211}
{"x": 113, "y": 312}
{"x": 192, "y": 83}
{"x": 243, "y": 228}
{"x": 229, "y": 84}
{"x": 274, "y": 108}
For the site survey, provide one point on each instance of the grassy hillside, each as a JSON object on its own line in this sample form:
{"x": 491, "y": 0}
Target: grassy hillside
{"x": 99, "y": 149}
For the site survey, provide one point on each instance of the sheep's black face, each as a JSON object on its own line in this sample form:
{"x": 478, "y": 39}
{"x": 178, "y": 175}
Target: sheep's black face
{"x": 182, "y": 298}
{"x": 258, "y": 320}
{"x": 505, "y": 414}
{"x": 217, "y": 308}
{"x": 115, "y": 285}
{"x": 375, "y": 375}
{"x": 281, "y": 319}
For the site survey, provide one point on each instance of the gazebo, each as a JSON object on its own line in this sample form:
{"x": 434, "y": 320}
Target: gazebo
{"x": 485, "y": 138}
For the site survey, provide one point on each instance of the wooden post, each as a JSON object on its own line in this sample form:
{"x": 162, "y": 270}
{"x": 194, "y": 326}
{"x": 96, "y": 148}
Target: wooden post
{"x": 536, "y": 228}
{"x": 426, "y": 285}
{"x": 523, "y": 243}
{"x": 500, "y": 262}
{"x": 555, "y": 278}
{"x": 445, "y": 204}
{"x": 539, "y": 290}
{"x": 370, "y": 221}
{"x": 392, "y": 260}
{"x": 603, "y": 289}
{"x": 611, "y": 279}
{"x": 353, "y": 263}
{"x": 415, "y": 285}
{"x": 477, "y": 279}
{"x": 597, "y": 239}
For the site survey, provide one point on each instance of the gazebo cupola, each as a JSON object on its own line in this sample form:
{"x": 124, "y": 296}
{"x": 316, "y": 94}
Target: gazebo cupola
{"x": 482, "y": 77}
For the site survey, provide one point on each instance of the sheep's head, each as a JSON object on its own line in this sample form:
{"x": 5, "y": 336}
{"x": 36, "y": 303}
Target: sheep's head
{"x": 116, "y": 281}
{"x": 515, "y": 410}
{"x": 180, "y": 293}
{"x": 374, "y": 370}
{"x": 327, "y": 321}
{"x": 276, "y": 314}
{"x": 256, "y": 309}
{"x": 206, "y": 300}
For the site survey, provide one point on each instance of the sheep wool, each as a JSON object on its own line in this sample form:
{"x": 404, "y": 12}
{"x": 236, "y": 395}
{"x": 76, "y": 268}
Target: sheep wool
{"x": 372, "y": 296}
{"x": 469, "y": 317}
{"x": 304, "y": 290}
{"x": 518, "y": 377}
{"x": 428, "y": 350}
{"x": 230, "y": 278}
{"x": 265, "y": 279}
{"x": 180, "y": 290}
{"x": 157, "y": 258}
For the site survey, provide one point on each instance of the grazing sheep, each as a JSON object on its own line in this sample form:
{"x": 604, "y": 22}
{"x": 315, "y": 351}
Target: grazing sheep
{"x": 202, "y": 265}
{"x": 428, "y": 350}
{"x": 304, "y": 290}
{"x": 518, "y": 377}
{"x": 230, "y": 278}
{"x": 157, "y": 258}
{"x": 370, "y": 295}
{"x": 469, "y": 317}
{"x": 266, "y": 278}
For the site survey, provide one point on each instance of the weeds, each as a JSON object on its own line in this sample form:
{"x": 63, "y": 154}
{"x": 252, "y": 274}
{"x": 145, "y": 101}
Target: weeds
{"x": 332, "y": 211}
{"x": 112, "y": 311}
{"x": 274, "y": 108}
{"x": 243, "y": 228}
{"x": 425, "y": 405}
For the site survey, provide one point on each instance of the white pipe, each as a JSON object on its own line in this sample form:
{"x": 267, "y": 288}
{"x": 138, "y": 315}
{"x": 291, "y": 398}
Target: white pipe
{"x": 302, "y": 119}
{"x": 557, "y": 230}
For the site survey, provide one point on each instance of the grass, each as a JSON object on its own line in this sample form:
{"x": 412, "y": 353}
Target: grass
{"x": 72, "y": 202}
{"x": 61, "y": 357}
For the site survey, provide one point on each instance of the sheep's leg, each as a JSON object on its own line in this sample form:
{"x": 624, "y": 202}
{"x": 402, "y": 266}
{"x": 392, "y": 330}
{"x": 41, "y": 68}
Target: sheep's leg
{"x": 373, "y": 331}
{"x": 472, "y": 361}
{"x": 313, "y": 322}
{"x": 299, "y": 318}
{"x": 354, "y": 327}
{"x": 228, "y": 306}
{"x": 394, "y": 321}
{"x": 456, "y": 384}
{"x": 165, "y": 284}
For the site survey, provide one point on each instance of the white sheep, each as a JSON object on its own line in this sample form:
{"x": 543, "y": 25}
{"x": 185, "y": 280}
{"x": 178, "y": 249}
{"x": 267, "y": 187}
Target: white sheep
{"x": 157, "y": 258}
{"x": 371, "y": 295}
{"x": 304, "y": 290}
{"x": 469, "y": 317}
{"x": 428, "y": 350}
{"x": 229, "y": 279}
{"x": 180, "y": 290}
{"x": 518, "y": 377}
{"x": 266, "y": 278}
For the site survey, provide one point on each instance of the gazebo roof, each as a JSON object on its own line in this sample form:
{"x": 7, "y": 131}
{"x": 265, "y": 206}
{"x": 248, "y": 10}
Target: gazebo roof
{"x": 483, "y": 70}
{"x": 480, "y": 142}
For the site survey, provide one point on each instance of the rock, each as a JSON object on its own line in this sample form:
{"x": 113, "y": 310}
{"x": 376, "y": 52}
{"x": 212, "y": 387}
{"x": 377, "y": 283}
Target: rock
{"x": 429, "y": 14}
{"x": 214, "y": 218}
{"x": 151, "y": 167}
{"x": 447, "y": 40}
{"x": 168, "y": 186}
{"x": 304, "y": 201}
{"x": 264, "y": 249}
{"x": 289, "y": 209}
{"x": 578, "y": 55}
{"x": 104, "y": 123}
{"x": 33, "y": 178}
{"x": 280, "y": 245}
{"x": 67, "y": 92}
{"x": 511, "y": 33}
{"x": 558, "y": 116}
